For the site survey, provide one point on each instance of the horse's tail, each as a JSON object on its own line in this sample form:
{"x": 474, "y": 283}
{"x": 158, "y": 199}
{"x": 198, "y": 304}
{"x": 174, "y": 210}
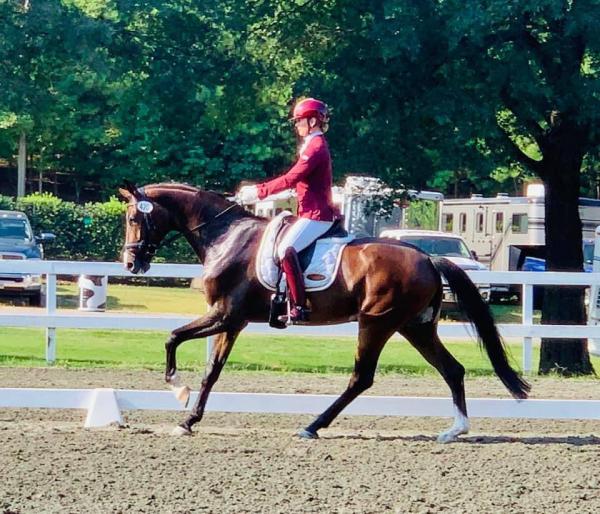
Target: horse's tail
{"x": 479, "y": 315}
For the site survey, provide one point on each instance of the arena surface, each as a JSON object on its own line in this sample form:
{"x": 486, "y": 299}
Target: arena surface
{"x": 237, "y": 463}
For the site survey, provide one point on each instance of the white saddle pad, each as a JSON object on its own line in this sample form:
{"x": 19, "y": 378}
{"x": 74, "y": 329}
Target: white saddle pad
{"x": 321, "y": 271}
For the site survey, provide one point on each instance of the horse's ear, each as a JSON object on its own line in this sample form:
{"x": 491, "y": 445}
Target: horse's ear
{"x": 130, "y": 186}
{"x": 125, "y": 194}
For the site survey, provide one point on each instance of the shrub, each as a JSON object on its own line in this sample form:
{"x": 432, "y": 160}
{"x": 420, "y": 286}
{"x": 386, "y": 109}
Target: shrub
{"x": 92, "y": 232}
{"x": 6, "y": 203}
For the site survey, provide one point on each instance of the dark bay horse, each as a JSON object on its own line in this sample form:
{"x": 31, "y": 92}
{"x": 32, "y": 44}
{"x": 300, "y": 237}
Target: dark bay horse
{"x": 386, "y": 286}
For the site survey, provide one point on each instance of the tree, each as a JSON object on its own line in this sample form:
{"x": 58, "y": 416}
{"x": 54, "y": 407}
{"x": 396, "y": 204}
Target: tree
{"x": 54, "y": 80}
{"x": 443, "y": 86}
{"x": 537, "y": 70}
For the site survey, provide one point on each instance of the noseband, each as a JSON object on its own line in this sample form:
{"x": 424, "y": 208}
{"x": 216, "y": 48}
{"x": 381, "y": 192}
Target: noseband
{"x": 148, "y": 226}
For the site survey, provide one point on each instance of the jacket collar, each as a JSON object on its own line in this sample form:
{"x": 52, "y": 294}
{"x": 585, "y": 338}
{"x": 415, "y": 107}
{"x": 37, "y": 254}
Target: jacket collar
{"x": 308, "y": 139}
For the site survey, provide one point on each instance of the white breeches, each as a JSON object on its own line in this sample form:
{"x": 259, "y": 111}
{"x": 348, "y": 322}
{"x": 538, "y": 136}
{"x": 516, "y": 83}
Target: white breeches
{"x": 301, "y": 234}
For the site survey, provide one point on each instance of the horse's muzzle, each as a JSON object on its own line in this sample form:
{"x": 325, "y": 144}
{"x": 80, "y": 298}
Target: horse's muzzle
{"x": 134, "y": 264}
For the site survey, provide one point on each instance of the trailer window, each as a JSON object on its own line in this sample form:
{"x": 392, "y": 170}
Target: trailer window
{"x": 479, "y": 222}
{"x": 462, "y": 222}
{"x": 447, "y": 222}
{"x": 499, "y": 222}
{"x": 519, "y": 223}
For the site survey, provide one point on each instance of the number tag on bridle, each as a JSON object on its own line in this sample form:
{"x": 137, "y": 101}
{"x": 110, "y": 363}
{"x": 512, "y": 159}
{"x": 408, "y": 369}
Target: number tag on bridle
{"x": 145, "y": 206}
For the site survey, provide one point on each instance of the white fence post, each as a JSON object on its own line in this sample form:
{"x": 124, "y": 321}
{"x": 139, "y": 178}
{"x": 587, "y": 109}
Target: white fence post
{"x": 527, "y": 317}
{"x": 50, "y": 311}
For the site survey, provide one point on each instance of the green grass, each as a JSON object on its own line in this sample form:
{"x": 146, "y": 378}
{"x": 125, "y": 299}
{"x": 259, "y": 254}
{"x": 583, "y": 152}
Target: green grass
{"x": 176, "y": 300}
{"x": 145, "y": 350}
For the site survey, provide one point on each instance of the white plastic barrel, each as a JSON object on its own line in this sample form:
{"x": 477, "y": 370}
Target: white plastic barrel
{"x": 92, "y": 293}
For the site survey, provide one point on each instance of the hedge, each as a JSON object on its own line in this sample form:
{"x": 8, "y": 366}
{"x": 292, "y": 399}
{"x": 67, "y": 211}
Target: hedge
{"x": 92, "y": 232}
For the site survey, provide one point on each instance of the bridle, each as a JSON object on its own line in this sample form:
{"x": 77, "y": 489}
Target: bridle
{"x": 146, "y": 247}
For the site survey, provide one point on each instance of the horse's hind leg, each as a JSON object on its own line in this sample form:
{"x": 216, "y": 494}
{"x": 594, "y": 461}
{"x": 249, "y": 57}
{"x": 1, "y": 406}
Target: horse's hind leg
{"x": 372, "y": 336}
{"x": 425, "y": 339}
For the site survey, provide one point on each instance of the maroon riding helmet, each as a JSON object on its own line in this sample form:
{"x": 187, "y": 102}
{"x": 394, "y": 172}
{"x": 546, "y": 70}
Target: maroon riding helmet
{"x": 311, "y": 108}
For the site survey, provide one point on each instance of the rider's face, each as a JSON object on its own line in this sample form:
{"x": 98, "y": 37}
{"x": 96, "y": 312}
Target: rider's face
{"x": 301, "y": 127}
{"x": 304, "y": 126}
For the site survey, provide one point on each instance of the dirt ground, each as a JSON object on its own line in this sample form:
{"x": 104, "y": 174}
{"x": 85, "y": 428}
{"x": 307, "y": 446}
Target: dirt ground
{"x": 239, "y": 463}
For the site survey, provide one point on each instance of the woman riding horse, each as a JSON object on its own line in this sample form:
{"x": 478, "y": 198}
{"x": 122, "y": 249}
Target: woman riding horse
{"x": 312, "y": 178}
{"x": 386, "y": 286}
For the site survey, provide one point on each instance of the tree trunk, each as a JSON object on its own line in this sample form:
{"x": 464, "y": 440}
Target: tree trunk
{"x": 21, "y": 166}
{"x": 563, "y": 155}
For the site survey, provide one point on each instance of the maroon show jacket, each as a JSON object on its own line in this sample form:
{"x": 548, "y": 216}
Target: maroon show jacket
{"x": 312, "y": 178}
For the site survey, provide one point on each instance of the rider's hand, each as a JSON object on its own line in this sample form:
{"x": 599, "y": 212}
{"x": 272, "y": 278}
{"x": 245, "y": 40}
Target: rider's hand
{"x": 248, "y": 194}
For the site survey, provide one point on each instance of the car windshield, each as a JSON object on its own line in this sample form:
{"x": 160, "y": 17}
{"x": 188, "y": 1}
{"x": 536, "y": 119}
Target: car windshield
{"x": 15, "y": 228}
{"x": 447, "y": 246}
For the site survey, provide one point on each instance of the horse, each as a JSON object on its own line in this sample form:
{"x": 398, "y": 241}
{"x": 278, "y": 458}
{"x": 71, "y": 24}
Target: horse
{"x": 386, "y": 286}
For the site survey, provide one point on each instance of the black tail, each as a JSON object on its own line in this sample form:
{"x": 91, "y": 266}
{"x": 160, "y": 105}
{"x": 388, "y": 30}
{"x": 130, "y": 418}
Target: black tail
{"x": 477, "y": 311}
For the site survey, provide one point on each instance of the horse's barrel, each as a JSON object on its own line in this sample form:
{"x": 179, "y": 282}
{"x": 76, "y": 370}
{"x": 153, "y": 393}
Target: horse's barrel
{"x": 92, "y": 293}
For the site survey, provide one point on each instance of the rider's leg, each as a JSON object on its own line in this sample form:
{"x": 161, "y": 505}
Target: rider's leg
{"x": 293, "y": 273}
{"x": 302, "y": 233}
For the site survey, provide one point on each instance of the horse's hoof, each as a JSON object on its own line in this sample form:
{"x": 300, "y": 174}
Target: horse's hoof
{"x": 449, "y": 437}
{"x": 446, "y": 438}
{"x": 305, "y": 434}
{"x": 182, "y": 394}
{"x": 180, "y": 431}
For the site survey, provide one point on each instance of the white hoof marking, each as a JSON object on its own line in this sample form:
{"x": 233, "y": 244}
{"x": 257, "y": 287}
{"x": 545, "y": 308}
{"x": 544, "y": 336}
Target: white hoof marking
{"x": 179, "y": 431}
{"x": 461, "y": 426}
{"x": 182, "y": 394}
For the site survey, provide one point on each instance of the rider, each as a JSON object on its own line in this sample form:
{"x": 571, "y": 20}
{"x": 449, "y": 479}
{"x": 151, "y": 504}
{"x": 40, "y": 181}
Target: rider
{"x": 311, "y": 176}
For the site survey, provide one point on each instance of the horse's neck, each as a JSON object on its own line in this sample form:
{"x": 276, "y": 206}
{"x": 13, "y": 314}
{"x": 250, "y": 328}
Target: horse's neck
{"x": 223, "y": 238}
{"x": 234, "y": 247}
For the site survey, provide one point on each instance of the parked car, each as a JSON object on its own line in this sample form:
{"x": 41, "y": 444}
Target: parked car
{"x": 17, "y": 242}
{"x": 537, "y": 264}
{"x": 443, "y": 244}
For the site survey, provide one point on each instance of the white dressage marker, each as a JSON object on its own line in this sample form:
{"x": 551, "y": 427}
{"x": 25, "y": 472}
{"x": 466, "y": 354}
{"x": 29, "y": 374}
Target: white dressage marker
{"x": 103, "y": 409}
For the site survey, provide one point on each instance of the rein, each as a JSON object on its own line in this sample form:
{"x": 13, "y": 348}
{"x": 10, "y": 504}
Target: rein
{"x": 174, "y": 237}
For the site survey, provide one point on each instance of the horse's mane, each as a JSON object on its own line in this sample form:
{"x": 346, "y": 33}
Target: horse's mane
{"x": 174, "y": 185}
{"x": 187, "y": 188}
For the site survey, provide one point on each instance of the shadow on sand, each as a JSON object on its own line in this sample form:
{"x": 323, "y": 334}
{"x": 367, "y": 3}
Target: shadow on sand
{"x": 588, "y": 440}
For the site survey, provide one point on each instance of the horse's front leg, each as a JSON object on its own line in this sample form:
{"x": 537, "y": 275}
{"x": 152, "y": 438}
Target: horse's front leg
{"x": 207, "y": 325}
{"x": 221, "y": 349}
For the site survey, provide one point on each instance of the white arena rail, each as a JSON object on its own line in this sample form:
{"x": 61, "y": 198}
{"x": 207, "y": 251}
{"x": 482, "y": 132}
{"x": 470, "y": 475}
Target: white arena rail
{"x": 104, "y": 406}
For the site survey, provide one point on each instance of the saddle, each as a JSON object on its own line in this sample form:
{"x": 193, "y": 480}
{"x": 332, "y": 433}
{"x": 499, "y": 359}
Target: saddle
{"x": 319, "y": 261}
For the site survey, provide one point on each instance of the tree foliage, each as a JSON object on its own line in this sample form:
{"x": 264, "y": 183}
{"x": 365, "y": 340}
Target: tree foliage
{"x": 461, "y": 96}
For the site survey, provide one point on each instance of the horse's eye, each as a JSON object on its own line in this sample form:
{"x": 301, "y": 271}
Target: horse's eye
{"x": 131, "y": 220}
